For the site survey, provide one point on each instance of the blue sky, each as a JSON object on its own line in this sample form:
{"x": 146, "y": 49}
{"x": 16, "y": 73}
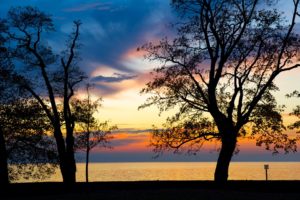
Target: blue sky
{"x": 109, "y": 30}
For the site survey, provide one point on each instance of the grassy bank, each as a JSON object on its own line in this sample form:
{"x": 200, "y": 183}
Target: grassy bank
{"x": 147, "y": 190}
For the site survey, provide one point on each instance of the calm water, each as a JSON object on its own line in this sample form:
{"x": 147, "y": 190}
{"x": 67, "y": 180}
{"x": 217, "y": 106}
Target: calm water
{"x": 184, "y": 171}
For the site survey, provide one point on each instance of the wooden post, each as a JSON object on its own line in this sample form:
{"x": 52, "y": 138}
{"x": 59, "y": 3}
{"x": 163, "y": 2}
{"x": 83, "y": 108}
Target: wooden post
{"x": 266, "y": 168}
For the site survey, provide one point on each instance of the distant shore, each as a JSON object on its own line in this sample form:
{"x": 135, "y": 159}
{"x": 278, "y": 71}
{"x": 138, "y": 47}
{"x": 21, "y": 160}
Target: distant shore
{"x": 146, "y": 190}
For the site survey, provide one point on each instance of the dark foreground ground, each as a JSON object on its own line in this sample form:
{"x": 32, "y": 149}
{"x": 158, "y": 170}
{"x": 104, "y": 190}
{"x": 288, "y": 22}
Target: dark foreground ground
{"x": 155, "y": 190}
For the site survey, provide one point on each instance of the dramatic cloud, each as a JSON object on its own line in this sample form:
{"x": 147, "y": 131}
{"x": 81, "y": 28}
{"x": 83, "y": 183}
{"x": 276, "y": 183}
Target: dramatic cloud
{"x": 115, "y": 78}
{"x": 109, "y": 28}
{"x": 123, "y": 32}
{"x": 110, "y": 33}
{"x": 107, "y": 86}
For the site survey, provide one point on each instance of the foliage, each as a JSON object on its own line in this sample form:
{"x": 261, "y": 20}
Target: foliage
{"x": 4, "y": 72}
{"x": 187, "y": 135}
{"x": 90, "y": 132}
{"x": 295, "y": 112}
{"x": 31, "y": 152}
{"x": 268, "y": 129}
{"x": 99, "y": 135}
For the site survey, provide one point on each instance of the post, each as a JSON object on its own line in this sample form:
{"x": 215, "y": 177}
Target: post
{"x": 266, "y": 168}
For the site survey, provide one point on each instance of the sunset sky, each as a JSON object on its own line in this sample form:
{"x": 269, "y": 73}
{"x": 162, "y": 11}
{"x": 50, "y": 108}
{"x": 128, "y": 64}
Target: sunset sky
{"x": 111, "y": 32}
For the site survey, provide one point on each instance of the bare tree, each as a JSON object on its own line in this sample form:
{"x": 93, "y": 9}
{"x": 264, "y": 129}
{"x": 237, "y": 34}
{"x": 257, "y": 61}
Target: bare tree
{"x": 220, "y": 71}
{"x": 91, "y": 132}
{"x": 50, "y": 78}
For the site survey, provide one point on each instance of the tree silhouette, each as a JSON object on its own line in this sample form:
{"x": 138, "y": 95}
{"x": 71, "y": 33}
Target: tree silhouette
{"x": 31, "y": 153}
{"x": 5, "y": 70}
{"x": 91, "y": 132}
{"x": 50, "y": 78}
{"x": 26, "y": 150}
{"x": 219, "y": 71}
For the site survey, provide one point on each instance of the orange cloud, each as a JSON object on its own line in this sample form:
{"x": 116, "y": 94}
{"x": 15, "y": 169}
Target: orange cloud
{"x": 129, "y": 142}
{"x": 133, "y": 53}
{"x": 139, "y": 142}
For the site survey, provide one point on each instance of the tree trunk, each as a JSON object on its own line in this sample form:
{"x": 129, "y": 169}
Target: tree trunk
{"x": 68, "y": 169}
{"x": 4, "y": 179}
{"x": 87, "y": 165}
{"x": 66, "y": 160}
{"x": 227, "y": 149}
{"x": 71, "y": 172}
{"x": 70, "y": 156}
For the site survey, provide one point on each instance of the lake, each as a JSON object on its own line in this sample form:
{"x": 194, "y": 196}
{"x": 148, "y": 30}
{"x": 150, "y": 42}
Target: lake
{"x": 141, "y": 171}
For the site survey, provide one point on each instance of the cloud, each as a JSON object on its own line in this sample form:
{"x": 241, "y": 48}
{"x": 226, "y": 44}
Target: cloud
{"x": 105, "y": 36}
{"x": 106, "y": 90}
{"x": 112, "y": 86}
{"x": 112, "y": 79}
{"x": 133, "y": 130}
{"x": 133, "y": 53}
{"x": 94, "y": 29}
{"x": 123, "y": 142}
{"x": 91, "y": 6}
{"x": 125, "y": 30}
